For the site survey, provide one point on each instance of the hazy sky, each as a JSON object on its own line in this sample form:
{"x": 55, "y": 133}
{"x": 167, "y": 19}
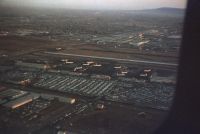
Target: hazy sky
{"x": 98, "y": 4}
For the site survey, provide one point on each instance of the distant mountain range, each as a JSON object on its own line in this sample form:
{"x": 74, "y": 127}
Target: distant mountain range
{"x": 170, "y": 10}
{"x": 10, "y": 11}
{"x": 166, "y": 10}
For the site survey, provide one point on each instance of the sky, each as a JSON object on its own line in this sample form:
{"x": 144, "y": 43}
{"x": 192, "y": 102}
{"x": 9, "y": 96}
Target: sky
{"x": 98, "y": 4}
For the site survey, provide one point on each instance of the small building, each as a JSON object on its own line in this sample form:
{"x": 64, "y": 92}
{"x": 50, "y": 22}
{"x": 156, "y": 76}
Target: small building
{"x": 97, "y": 65}
{"x": 147, "y": 70}
{"x": 77, "y": 68}
{"x": 58, "y": 48}
{"x": 117, "y": 67}
{"x": 10, "y": 94}
{"x": 124, "y": 72}
{"x": 20, "y": 101}
{"x": 25, "y": 82}
{"x": 64, "y": 60}
{"x": 33, "y": 65}
{"x": 60, "y": 98}
{"x": 66, "y": 100}
{"x": 100, "y": 106}
{"x": 69, "y": 62}
{"x": 143, "y": 75}
{"x": 86, "y": 64}
{"x": 90, "y": 62}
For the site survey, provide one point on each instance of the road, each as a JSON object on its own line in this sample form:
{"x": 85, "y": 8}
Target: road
{"x": 116, "y": 59}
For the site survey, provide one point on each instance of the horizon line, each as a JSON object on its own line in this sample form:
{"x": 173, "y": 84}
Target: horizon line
{"x": 87, "y": 9}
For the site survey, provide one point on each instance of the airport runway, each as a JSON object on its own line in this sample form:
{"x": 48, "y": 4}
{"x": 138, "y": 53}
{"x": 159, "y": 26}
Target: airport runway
{"x": 116, "y": 59}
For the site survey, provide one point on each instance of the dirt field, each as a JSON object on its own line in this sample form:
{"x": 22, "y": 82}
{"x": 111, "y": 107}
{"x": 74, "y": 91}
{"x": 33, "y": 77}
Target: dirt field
{"x": 13, "y": 46}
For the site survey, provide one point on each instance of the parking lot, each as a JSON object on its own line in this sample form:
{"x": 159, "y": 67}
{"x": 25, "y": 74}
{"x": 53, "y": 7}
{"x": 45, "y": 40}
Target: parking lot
{"x": 154, "y": 95}
{"x": 77, "y": 85}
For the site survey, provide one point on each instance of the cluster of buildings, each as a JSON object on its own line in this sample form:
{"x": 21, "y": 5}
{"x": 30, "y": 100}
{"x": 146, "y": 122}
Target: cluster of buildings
{"x": 86, "y": 65}
{"x": 12, "y": 98}
{"x": 32, "y": 110}
{"x": 145, "y": 74}
{"x": 90, "y": 68}
{"x": 121, "y": 71}
{"x": 131, "y": 89}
